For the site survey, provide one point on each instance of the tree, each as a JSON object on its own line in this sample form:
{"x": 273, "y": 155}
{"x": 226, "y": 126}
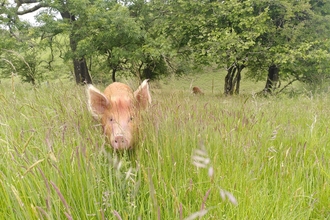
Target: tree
{"x": 221, "y": 32}
{"x": 265, "y": 37}
{"x": 157, "y": 56}
{"x": 294, "y": 46}
{"x": 279, "y": 39}
{"x": 69, "y": 11}
{"x": 118, "y": 38}
{"x": 18, "y": 54}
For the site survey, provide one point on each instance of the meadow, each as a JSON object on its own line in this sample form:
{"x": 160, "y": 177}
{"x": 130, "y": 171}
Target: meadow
{"x": 199, "y": 157}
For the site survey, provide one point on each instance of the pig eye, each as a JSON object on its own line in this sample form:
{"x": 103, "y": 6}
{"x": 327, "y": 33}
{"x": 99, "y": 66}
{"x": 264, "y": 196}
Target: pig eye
{"x": 111, "y": 119}
{"x": 131, "y": 118}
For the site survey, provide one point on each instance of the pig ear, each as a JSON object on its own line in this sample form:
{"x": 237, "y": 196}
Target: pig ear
{"x": 97, "y": 102}
{"x": 142, "y": 95}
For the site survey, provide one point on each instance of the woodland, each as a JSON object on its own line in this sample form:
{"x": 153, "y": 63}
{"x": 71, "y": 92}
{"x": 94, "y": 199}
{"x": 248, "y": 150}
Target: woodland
{"x": 94, "y": 41}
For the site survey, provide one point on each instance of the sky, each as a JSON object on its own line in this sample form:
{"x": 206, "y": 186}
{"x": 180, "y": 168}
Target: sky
{"x": 27, "y": 17}
{"x": 30, "y": 17}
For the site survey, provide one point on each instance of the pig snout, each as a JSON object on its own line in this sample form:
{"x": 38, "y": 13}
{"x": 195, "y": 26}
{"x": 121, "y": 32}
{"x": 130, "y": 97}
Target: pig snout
{"x": 120, "y": 142}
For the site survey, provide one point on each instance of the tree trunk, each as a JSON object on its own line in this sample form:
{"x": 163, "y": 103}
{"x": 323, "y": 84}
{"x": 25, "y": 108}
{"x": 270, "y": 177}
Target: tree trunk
{"x": 238, "y": 80}
{"x": 233, "y": 79}
{"x": 272, "y": 79}
{"x": 114, "y": 75}
{"x": 229, "y": 80}
{"x": 81, "y": 72}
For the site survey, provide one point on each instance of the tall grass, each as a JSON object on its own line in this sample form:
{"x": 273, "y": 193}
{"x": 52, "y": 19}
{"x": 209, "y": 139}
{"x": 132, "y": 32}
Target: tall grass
{"x": 240, "y": 157}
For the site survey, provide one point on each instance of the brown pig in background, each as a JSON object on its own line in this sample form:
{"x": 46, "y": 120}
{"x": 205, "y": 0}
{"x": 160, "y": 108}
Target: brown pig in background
{"x": 197, "y": 91}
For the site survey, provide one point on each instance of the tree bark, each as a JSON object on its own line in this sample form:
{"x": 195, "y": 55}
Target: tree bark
{"x": 272, "y": 79}
{"x": 81, "y": 71}
{"x": 233, "y": 79}
{"x": 238, "y": 80}
{"x": 80, "y": 68}
{"x": 229, "y": 80}
{"x": 113, "y": 76}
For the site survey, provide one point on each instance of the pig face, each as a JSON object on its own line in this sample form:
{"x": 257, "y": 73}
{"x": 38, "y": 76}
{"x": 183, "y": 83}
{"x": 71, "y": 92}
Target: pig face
{"x": 118, "y": 109}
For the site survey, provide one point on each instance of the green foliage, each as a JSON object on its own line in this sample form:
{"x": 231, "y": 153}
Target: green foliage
{"x": 148, "y": 39}
{"x": 112, "y": 34}
{"x": 21, "y": 52}
{"x": 23, "y": 62}
{"x": 295, "y": 42}
{"x": 32, "y": 61}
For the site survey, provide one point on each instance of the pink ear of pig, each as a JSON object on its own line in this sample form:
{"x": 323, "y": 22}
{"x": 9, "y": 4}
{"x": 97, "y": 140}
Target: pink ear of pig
{"x": 142, "y": 95}
{"x": 97, "y": 102}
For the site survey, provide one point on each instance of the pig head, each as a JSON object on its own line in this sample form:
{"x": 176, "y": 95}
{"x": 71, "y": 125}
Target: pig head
{"x": 118, "y": 108}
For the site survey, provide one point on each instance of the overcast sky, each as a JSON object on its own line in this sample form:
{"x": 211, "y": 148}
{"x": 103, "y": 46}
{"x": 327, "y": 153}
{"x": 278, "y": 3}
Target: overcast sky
{"x": 30, "y": 16}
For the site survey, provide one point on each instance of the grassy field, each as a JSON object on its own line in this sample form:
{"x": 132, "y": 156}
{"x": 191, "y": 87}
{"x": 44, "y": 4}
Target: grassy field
{"x": 211, "y": 156}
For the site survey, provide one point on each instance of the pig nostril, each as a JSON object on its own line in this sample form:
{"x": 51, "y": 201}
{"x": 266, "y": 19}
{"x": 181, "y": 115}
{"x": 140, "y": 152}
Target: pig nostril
{"x": 119, "y": 139}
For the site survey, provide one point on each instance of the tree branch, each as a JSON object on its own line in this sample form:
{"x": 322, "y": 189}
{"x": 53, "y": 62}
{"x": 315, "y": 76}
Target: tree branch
{"x": 289, "y": 83}
{"x": 35, "y": 8}
{"x": 26, "y": 1}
